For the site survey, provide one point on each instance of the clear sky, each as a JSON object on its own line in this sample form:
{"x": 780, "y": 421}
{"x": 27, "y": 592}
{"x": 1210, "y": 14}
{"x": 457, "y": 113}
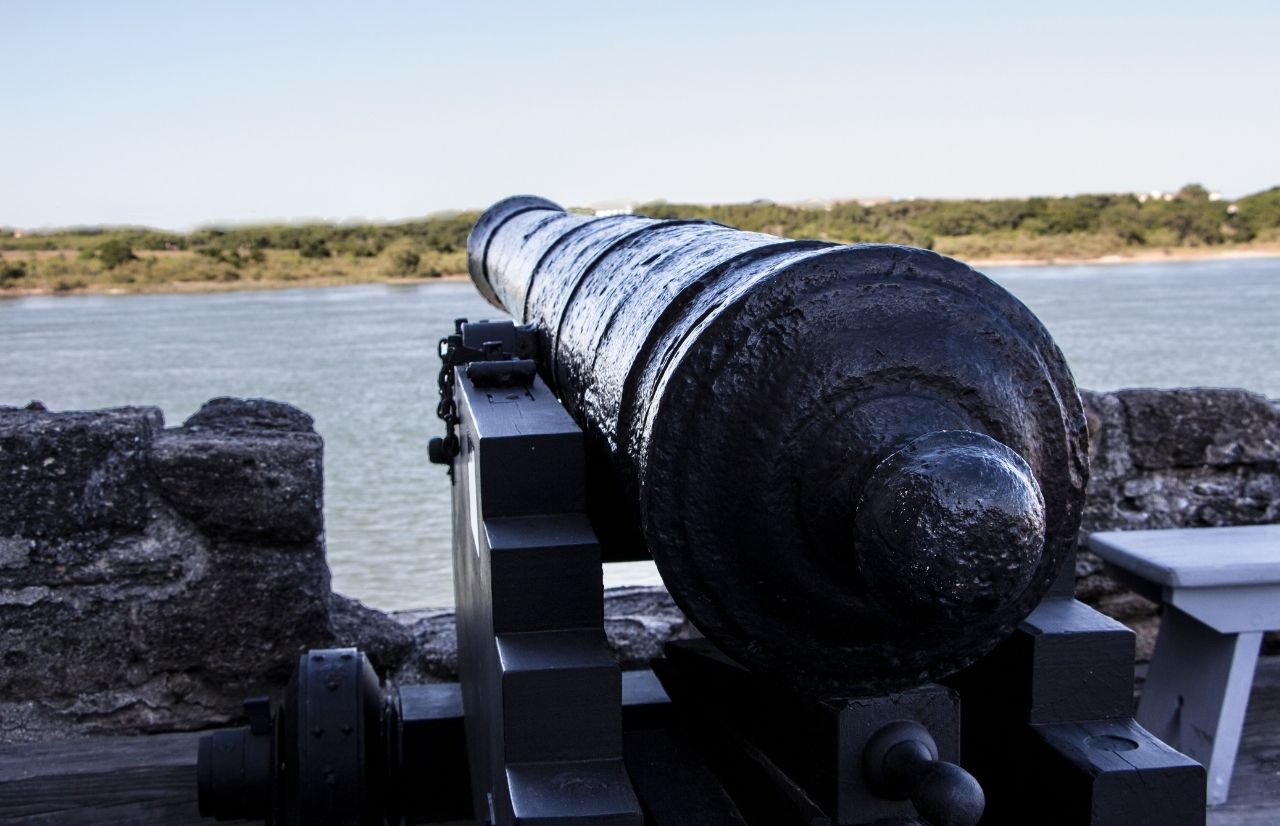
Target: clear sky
{"x": 177, "y": 114}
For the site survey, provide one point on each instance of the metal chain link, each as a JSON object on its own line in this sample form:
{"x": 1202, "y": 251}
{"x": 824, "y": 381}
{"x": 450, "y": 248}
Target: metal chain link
{"x": 450, "y": 350}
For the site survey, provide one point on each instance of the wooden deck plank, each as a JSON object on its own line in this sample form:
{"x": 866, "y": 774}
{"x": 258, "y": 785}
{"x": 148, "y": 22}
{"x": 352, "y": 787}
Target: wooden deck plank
{"x": 101, "y": 780}
{"x": 1255, "y": 785}
{"x": 154, "y": 812}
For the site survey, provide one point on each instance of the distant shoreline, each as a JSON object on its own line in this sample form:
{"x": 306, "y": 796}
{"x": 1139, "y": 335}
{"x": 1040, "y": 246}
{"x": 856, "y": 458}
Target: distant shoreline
{"x": 1144, "y": 256}
{"x": 199, "y": 287}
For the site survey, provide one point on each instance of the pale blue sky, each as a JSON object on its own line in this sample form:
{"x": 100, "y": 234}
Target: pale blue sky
{"x": 180, "y": 114}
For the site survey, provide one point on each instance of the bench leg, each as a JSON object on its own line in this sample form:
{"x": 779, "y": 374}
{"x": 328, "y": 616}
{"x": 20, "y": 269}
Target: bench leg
{"x": 1197, "y": 691}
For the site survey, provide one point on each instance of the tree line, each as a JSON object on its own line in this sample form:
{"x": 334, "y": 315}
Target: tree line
{"x": 1191, "y": 217}
{"x": 1079, "y": 226}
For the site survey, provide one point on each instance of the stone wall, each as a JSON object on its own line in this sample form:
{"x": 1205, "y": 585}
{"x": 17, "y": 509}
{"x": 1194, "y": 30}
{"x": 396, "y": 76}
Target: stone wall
{"x": 1181, "y": 458}
{"x": 151, "y": 578}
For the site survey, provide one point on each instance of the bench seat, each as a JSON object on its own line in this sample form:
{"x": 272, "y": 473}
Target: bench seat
{"x": 1220, "y": 588}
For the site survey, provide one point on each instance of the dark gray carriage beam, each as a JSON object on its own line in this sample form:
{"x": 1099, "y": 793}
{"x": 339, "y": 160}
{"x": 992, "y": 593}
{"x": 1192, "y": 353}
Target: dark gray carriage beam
{"x": 1048, "y": 727}
{"x": 541, "y": 691}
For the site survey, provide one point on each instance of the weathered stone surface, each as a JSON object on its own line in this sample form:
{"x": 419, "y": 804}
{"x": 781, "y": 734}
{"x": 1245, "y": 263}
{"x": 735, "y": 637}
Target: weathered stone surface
{"x": 1182, "y": 458}
{"x": 150, "y": 578}
{"x": 249, "y": 415}
{"x": 74, "y": 475}
{"x": 434, "y": 657}
{"x": 244, "y": 469}
{"x": 638, "y": 621}
{"x": 1197, "y": 457}
{"x": 387, "y": 643}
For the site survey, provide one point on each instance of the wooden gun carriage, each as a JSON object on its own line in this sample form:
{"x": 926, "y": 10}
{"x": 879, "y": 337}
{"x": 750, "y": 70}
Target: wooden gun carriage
{"x": 859, "y": 470}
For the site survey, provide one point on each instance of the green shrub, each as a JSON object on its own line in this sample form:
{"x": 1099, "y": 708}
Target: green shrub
{"x": 11, "y": 274}
{"x": 225, "y": 256}
{"x": 114, "y": 252}
{"x": 405, "y": 262}
{"x": 1259, "y": 213}
{"x": 66, "y": 285}
{"x": 314, "y": 248}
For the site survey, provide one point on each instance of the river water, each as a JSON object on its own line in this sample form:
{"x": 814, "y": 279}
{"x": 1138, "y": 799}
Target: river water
{"x": 361, "y": 360}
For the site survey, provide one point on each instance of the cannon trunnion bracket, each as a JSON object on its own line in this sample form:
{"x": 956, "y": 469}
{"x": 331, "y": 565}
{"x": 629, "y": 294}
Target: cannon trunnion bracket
{"x": 860, "y": 471}
{"x": 541, "y": 690}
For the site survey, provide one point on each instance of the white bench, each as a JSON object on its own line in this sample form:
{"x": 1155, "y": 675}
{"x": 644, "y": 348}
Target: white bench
{"x": 1221, "y": 590}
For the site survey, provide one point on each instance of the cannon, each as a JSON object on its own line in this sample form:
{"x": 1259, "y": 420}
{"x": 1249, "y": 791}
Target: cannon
{"x": 857, "y": 467}
{"x": 860, "y": 471}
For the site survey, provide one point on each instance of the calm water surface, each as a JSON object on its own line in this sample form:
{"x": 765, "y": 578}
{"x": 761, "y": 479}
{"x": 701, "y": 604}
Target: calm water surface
{"x": 361, "y": 360}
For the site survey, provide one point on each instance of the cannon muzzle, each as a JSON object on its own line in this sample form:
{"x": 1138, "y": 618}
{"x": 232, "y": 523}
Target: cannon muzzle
{"x": 857, "y": 467}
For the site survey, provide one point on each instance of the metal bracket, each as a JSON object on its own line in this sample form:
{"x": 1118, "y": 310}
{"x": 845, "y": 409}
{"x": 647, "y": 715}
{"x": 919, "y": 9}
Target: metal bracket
{"x": 542, "y": 693}
{"x": 493, "y": 354}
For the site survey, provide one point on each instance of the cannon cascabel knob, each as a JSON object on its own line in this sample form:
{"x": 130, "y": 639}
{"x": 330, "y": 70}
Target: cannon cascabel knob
{"x": 949, "y": 528}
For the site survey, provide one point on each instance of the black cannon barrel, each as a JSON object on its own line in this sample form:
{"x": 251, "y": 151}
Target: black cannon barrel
{"x": 857, "y": 467}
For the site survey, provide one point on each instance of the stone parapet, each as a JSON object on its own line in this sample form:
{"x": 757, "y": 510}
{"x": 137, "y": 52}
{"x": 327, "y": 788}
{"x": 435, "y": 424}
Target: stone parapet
{"x": 150, "y": 578}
